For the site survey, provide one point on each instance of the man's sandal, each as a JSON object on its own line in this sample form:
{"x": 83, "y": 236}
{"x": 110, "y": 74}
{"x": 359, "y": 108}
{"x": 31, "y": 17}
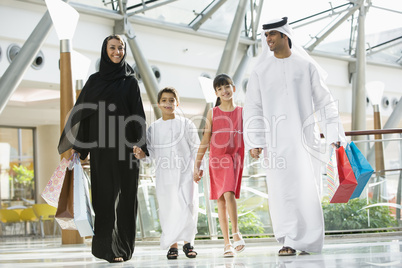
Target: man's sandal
{"x": 172, "y": 253}
{"x": 239, "y": 243}
{"x": 287, "y": 251}
{"x": 187, "y": 249}
{"x": 228, "y": 251}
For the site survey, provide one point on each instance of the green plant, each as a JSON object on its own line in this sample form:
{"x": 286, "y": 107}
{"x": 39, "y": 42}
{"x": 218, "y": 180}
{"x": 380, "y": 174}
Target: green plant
{"x": 22, "y": 180}
{"x": 23, "y": 175}
{"x": 249, "y": 223}
{"x": 352, "y": 215}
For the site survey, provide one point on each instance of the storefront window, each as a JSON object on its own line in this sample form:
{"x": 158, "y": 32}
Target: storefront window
{"x": 17, "y": 176}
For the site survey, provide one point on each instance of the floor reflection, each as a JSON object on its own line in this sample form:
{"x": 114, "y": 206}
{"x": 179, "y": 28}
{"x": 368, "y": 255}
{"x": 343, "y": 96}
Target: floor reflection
{"x": 339, "y": 252}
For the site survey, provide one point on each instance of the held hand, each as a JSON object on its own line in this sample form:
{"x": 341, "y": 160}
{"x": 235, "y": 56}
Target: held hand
{"x": 336, "y": 144}
{"x": 138, "y": 152}
{"x": 255, "y": 153}
{"x": 197, "y": 175}
{"x": 74, "y": 151}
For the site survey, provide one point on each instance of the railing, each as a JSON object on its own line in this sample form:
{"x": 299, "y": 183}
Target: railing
{"x": 377, "y": 209}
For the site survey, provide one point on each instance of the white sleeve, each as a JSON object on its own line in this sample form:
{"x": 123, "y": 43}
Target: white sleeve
{"x": 326, "y": 109}
{"x": 253, "y": 120}
{"x": 193, "y": 140}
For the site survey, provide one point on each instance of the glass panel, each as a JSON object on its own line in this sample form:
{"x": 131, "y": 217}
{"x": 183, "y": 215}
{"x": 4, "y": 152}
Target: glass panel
{"x": 202, "y": 226}
{"x": 17, "y": 183}
{"x": 148, "y": 224}
{"x": 379, "y": 204}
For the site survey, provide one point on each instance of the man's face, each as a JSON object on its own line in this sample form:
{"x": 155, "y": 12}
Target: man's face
{"x": 275, "y": 40}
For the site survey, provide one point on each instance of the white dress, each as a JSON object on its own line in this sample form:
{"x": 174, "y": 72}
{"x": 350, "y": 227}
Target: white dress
{"x": 173, "y": 145}
{"x": 282, "y": 96}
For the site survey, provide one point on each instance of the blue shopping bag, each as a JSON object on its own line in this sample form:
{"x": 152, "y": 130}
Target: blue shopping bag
{"x": 361, "y": 168}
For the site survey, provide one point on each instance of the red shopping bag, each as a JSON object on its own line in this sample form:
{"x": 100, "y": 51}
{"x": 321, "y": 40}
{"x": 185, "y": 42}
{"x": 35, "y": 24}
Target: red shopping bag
{"x": 341, "y": 179}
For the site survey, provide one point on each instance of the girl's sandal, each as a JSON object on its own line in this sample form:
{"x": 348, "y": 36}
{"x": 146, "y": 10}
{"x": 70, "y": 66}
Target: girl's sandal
{"x": 228, "y": 251}
{"x": 239, "y": 243}
{"x": 172, "y": 253}
{"x": 188, "y": 249}
{"x": 287, "y": 251}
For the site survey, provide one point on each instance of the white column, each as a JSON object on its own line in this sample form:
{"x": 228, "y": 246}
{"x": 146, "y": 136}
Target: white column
{"x": 47, "y": 156}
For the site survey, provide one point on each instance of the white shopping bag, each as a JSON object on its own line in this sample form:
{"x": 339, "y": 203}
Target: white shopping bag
{"x": 83, "y": 211}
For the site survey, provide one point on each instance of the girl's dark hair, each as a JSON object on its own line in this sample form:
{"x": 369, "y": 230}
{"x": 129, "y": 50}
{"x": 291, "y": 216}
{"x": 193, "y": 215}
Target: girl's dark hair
{"x": 221, "y": 80}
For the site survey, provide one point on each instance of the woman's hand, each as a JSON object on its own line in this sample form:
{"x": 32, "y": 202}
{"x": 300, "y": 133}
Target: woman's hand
{"x": 74, "y": 151}
{"x": 138, "y": 152}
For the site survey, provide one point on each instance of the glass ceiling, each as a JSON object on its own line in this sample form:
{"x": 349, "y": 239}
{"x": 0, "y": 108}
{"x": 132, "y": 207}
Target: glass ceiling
{"x": 309, "y": 19}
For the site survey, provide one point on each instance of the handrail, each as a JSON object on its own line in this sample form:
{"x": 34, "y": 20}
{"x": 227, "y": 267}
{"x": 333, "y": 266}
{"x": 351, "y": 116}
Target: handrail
{"x": 371, "y": 132}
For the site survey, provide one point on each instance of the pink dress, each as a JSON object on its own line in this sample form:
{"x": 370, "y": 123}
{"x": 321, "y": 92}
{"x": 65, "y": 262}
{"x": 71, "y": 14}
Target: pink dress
{"x": 226, "y": 155}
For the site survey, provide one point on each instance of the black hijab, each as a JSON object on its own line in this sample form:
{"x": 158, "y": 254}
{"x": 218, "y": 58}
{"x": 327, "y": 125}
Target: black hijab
{"x": 109, "y": 70}
{"x": 99, "y": 87}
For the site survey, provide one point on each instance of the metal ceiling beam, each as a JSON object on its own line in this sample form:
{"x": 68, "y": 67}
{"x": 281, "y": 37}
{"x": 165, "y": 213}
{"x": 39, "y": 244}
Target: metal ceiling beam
{"x": 232, "y": 42}
{"x": 115, "y": 15}
{"x": 147, "y": 75}
{"x": 122, "y": 6}
{"x": 317, "y": 14}
{"x": 359, "y": 79}
{"x": 203, "y": 17}
{"x": 146, "y": 8}
{"x": 383, "y": 45}
{"x": 251, "y": 50}
{"x": 387, "y": 9}
{"x": 12, "y": 77}
{"x": 330, "y": 30}
{"x": 315, "y": 20}
{"x": 255, "y": 21}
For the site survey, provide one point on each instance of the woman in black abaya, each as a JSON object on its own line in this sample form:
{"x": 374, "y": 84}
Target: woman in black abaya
{"x": 106, "y": 121}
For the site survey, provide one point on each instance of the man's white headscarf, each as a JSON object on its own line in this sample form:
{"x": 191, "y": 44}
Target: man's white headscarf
{"x": 282, "y": 26}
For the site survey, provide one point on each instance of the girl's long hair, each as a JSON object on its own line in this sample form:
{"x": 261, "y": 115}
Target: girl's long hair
{"x": 221, "y": 80}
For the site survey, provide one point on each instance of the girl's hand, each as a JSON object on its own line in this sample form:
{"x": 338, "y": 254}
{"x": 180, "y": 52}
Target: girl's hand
{"x": 255, "y": 153}
{"x": 138, "y": 152}
{"x": 197, "y": 175}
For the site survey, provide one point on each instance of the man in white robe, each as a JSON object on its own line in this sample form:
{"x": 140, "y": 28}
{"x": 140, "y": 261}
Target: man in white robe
{"x": 286, "y": 98}
{"x": 172, "y": 143}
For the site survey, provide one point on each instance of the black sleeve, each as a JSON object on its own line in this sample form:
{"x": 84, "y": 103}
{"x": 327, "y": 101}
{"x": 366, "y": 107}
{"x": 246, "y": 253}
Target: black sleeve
{"x": 137, "y": 108}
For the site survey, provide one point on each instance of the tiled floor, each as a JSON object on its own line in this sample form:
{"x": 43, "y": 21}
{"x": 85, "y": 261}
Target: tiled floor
{"x": 343, "y": 252}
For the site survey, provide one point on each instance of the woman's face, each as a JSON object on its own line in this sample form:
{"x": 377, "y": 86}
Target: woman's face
{"x": 115, "y": 50}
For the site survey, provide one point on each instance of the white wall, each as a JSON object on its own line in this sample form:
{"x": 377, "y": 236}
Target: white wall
{"x": 47, "y": 157}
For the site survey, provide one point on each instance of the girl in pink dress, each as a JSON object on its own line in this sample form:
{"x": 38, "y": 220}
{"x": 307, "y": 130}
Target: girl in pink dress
{"x": 223, "y": 134}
